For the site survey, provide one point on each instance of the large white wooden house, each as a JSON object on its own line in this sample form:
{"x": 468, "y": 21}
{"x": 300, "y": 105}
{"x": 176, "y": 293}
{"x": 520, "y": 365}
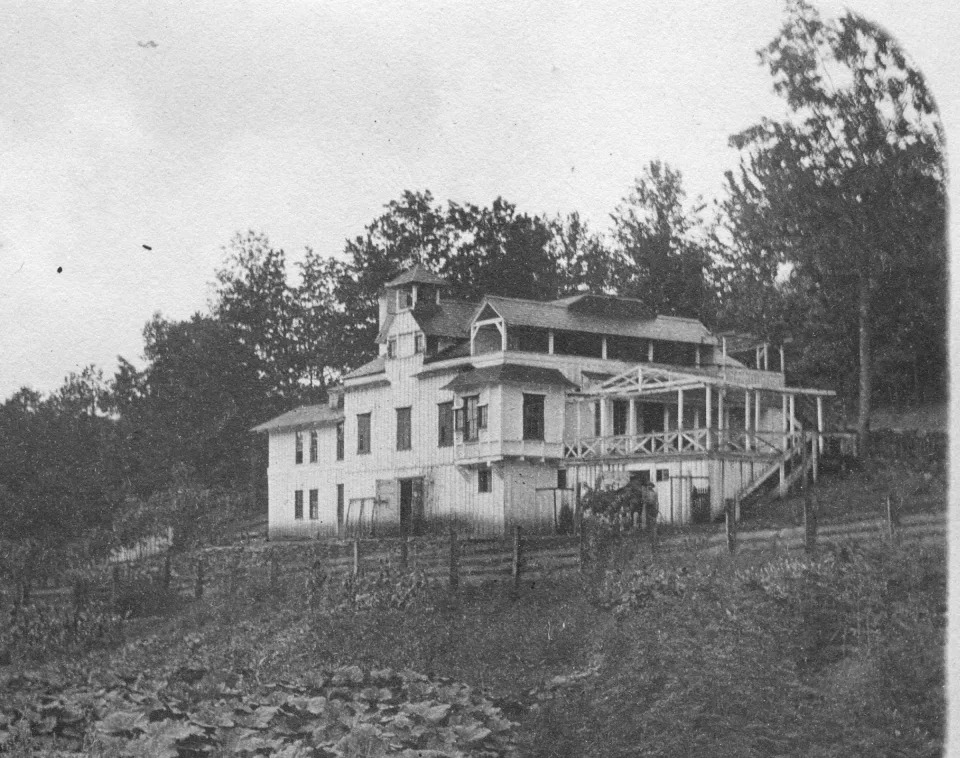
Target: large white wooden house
{"x": 501, "y": 413}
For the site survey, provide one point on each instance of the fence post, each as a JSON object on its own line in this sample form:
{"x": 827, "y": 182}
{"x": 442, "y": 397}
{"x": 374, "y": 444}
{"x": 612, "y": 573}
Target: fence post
{"x": 583, "y": 543}
{"x": 731, "y": 517}
{"x": 454, "y": 561}
{"x": 809, "y": 519}
{"x": 356, "y": 556}
{"x": 893, "y": 520}
{"x": 517, "y": 555}
{"x": 198, "y": 587}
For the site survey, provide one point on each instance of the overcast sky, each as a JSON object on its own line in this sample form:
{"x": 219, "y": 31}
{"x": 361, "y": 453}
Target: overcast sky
{"x": 125, "y": 124}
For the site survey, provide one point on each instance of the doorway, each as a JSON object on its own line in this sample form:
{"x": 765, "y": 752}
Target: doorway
{"x": 411, "y": 506}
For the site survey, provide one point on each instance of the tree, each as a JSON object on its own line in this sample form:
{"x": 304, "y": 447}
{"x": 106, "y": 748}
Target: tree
{"x": 582, "y": 257}
{"x": 57, "y": 481}
{"x": 849, "y": 191}
{"x": 254, "y": 299}
{"x": 661, "y": 246}
{"x": 191, "y": 407}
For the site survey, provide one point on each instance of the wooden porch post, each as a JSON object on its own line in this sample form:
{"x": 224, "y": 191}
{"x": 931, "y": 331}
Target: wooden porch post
{"x": 721, "y": 409}
{"x": 579, "y": 431}
{"x": 756, "y": 411}
{"x": 632, "y": 416}
{"x": 783, "y": 425}
{"x": 793, "y": 416}
{"x": 680, "y": 411}
{"x": 746, "y": 420}
{"x": 820, "y": 424}
{"x": 550, "y": 341}
{"x": 604, "y": 425}
{"x": 709, "y": 394}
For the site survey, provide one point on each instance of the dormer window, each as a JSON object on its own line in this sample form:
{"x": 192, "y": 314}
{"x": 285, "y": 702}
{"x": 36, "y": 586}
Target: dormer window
{"x": 404, "y": 298}
{"x": 418, "y": 342}
{"x": 392, "y": 347}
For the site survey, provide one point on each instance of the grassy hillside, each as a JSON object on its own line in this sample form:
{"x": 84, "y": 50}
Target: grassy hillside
{"x": 833, "y": 655}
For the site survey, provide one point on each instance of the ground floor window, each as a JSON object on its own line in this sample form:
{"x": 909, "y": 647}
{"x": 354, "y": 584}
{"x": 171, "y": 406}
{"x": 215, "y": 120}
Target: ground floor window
{"x": 314, "y": 505}
{"x": 298, "y": 504}
{"x": 484, "y": 480}
{"x": 663, "y": 474}
{"x": 339, "y": 505}
{"x": 561, "y": 479}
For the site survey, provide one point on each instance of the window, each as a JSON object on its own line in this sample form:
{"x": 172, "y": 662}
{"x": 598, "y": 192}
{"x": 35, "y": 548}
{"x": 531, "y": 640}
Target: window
{"x": 473, "y": 418}
{"x": 484, "y": 480}
{"x": 444, "y": 424}
{"x": 314, "y": 505}
{"x": 561, "y": 478}
{"x": 621, "y": 410}
{"x": 663, "y": 474}
{"x": 418, "y": 343}
{"x": 298, "y": 505}
{"x": 392, "y": 347}
{"x": 597, "y": 419}
{"x": 533, "y": 417}
{"x": 363, "y": 433}
{"x": 403, "y": 429}
{"x": 340, "y": 441}
{"x": 298, "y": 454}
{"x": 339, "y": 505}
{"x": 405, "y": 298}
{"x": 314, "y": 444}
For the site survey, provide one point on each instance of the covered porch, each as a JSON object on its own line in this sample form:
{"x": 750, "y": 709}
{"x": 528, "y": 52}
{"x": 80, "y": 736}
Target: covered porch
{"x": 655, "y": 413}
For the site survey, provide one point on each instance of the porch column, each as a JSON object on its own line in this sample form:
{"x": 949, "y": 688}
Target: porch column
{"x": 679, "y": 421}
{"x": 766, "y": 356}
{"x": 666, "y": 418}
{"x": 550, "y": 341}
{"x": 783, "y": 364}
{"x": 793, "y": 416}
{"x": 721, "y": 410}
{"x": 756, "y": 411}
{"x": 604, "y": 421}
{"x": 709, "y": 394}
{"x": 579, "y": 431}
{"x": 603, "y": 347}
{"x": 783, "y": 425}
{"x": 650, "y": 351}
{"x": 820, "y": 424}
{"x": 746, "y": 420}
{"x": 632, "y": 417}
{"x": 758, "y": 357}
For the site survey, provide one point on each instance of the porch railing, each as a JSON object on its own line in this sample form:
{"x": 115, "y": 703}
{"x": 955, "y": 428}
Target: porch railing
{"x": 688, "y": 442}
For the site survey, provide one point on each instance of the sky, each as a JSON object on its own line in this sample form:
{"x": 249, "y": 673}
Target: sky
{"x": 175, "y": 125}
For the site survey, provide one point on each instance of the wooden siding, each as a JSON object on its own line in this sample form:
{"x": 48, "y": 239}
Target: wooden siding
{"x": 520, "y": 470}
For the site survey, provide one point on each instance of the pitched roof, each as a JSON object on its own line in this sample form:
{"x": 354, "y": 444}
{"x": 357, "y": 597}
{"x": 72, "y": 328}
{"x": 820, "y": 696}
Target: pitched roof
{"x": 376, "y": 366}
{"x": 563, "y": 316}
{"x": 449, "y": 318}
{"x": 508, "y": 373}
{"x": 419, "y": 275}
{"x": 459, "y": 350}
{"x": 304, "y": 416}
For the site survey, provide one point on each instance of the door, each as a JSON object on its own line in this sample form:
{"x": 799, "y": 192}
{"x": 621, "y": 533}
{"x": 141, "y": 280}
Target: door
{"x": 411, "y": 506}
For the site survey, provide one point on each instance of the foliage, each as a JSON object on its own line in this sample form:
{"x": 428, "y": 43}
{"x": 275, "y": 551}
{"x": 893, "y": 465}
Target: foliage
{"x": 343, "y": 711}
{"x": 381, "y": 590}
{"x": 191, "y": 407}
{"x": 662, "y": 254}
{"x": 57, "y": 477}
{"x": 41, "y": 630}
{"x": 846, "y": 199}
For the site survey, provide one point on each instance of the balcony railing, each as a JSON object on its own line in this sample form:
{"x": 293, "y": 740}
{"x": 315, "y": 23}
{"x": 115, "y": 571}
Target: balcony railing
{"x": 688, "y": 442}
{"x": 494, "y": 449}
